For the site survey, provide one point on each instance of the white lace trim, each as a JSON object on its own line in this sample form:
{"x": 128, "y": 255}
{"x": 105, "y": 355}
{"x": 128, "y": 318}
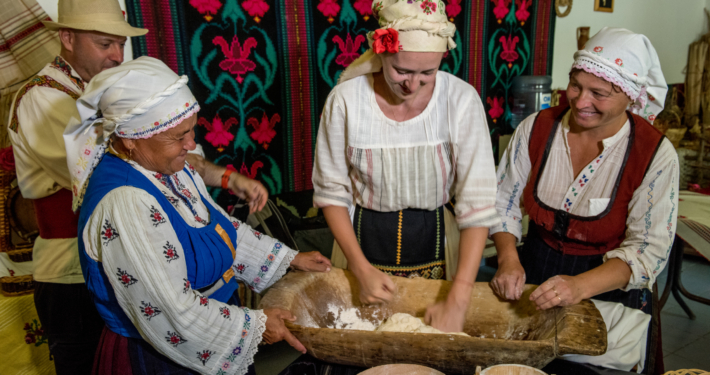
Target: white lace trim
{"x": 256, "y": 338}
{"x": 283, "y": 267}
{"x": 609, "y": 75}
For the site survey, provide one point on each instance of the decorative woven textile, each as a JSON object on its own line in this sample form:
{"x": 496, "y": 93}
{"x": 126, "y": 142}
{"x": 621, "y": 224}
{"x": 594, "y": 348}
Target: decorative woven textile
{"x": 23, "y": 348}
{"x": 262, "y": 69}
{"x": 25, "y": 47}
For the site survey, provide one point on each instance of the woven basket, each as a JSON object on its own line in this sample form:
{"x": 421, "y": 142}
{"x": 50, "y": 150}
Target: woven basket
{"x": 6, "y": 178}
{"x": 687, "y": 372}
{"x": 21, "y": 253}
{"x": 13, "y": 286}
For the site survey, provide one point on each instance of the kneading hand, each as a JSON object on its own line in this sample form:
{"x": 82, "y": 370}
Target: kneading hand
{"x": 509, "y": 280}
{"x": 375, "y": 287}
{"x": 311, "y": 261}
{"x": 250, "y": 190}
{"x": 446, "y": 316}
{"x": 557, "y": 291}
{"x": 276, "y": 329}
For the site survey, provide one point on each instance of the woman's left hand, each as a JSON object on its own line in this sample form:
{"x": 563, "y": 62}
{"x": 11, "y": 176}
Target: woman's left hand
{"x": 558, "y": 290}
{"x": 446, "y": 316}
{"x": 312, "y": 261}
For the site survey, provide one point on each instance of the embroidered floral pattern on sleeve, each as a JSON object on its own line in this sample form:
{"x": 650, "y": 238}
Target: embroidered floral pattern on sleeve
{"x": 174, "y": 339}
{"x": 156, "y": 217}
{"x": 125, "y": 278}
{"x": 204, "y": 301}
{"x": 186, "y": 286}
{"x": 205, "y": 356}
{"x": 170, "y": 252}
{"x": 149, "y": 311}
{"x": 265, "y": 267}
{"x": 225, "y": 312}
{"x": 239, "y": 351}
{"x": 108, "y": 233}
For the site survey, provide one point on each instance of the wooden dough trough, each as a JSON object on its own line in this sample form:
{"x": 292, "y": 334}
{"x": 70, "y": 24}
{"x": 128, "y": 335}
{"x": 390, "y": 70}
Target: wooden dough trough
{"x": 502, "y": 332}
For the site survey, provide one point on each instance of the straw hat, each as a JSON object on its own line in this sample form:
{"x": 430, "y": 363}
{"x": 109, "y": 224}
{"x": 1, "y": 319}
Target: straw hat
{"x": 105, "y": 16}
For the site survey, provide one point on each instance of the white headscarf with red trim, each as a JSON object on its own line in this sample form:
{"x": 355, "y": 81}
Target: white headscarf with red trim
{"x": 629, "y": 61}
{"x": 405, "y": 25}
{"x": 138, "y": 99}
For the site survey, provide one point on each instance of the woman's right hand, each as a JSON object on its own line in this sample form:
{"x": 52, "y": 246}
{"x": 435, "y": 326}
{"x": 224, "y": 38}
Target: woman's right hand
{"x": 276, "y": 329}
{"x": 375, "y": 286}
{"x": 509, "y": 280}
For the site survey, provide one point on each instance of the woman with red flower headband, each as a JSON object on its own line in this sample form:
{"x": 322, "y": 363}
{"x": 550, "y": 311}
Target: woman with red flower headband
{"x": 398, "y": 139}
{"x": 600, "y": 185}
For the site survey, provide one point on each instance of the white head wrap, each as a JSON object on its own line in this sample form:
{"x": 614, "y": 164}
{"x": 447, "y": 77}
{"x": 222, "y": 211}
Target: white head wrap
{"x": 422, "y": 26}
{"x": 138, "y": 99}
{"x": 629, "y": 61}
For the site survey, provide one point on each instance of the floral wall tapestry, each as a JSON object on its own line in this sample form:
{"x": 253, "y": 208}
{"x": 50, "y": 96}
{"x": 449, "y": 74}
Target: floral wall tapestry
{"x": 262, "y": 69}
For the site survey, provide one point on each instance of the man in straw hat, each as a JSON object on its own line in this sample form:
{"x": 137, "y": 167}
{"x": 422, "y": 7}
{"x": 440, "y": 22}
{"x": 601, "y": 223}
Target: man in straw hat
{"x": 92, "y": 34}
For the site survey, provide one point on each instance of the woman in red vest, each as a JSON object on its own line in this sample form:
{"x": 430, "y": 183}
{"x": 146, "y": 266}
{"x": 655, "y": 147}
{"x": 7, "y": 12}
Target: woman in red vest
{"x": 600, "y": 185}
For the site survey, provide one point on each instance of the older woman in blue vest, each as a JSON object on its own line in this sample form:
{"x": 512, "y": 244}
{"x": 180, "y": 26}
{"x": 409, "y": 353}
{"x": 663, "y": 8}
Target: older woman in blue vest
{"x": 159, "y": 256}
{"x": 601, "y": 187}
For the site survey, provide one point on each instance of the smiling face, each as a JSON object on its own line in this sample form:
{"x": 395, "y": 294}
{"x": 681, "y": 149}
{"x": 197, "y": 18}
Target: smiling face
{"x": 164, "y": 152}
{"x": 595, "y": 103}
{"x": 91, "y": 52}
{"x": 407, "y": 73}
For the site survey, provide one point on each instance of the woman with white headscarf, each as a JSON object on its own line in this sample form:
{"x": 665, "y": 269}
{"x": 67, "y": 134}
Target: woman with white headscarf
{"x": 397, "y": 139}
{"x": 160, "y": 258}
{"x": 600, "y": 184}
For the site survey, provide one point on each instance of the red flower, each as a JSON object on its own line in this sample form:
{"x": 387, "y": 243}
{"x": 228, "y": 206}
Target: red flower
{"x": 205, "y": 356}
{"x": 30, "y": 338}
{"x": 125, "y": 279}
{"x": 204, "y": 301}
{"x": 27, "y": 327}
{"x": 236, "y": 56}
{"x": 501, "y": 9}
{"x": 218, "y": 134}
{"x": 174, "y": 339}
{"x": 598, "y": 49}
{"x": 364, "y": 7}
{"x": 206, "y": 7}
{"x": 429, "y": 7}
{"x": 386, "y": 41}
{"x": 496, "y": 107}
{"x": 329, "y": 8}
{"x": 651, "y": 98}
{"x": 7, "y": 159}
{"x": 264, "y": 131}
{"x": 619, "y": 62}
{"x": 522, "y": 13}
{"x": 509, "y": 53}
{"x": 453, "y": 9}
{"x": 349, "y": 49}
{"x": 651, "y": 118}
{"x": 148, "y": 310}
{"x": 256, "y": 8}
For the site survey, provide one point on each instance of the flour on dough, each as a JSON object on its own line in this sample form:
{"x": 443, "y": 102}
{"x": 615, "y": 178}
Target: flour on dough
{"x": 349, "y": 319}
{"x": 401, "y": 322}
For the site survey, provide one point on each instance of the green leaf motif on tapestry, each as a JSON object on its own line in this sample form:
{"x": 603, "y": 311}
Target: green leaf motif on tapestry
{"x": 233, "y": 11}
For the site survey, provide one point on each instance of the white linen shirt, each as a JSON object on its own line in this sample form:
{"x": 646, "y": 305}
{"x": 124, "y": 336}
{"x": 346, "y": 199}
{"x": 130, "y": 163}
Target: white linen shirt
{"x": 651, "y": 222}
{"x": 41, "y": 163}
{"x": 365, "y": 158}
{"x": 197, "y": 327}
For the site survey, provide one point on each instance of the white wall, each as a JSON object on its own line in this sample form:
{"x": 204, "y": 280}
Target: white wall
{"x": 50, "y": 6}
{"x": 670, "y": 25}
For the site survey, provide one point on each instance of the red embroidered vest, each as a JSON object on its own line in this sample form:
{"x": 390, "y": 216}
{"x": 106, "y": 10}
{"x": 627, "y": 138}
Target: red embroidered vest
{"x": 594, "y": 235}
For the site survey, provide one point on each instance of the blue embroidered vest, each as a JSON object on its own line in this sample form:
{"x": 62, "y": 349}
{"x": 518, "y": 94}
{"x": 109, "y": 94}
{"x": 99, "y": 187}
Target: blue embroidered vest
{"x": 207, "y": 256}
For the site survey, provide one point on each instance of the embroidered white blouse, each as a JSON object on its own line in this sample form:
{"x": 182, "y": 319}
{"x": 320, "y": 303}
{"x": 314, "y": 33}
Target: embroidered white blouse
{"x": 365, "y": 158}
{"x": 194, "y": 331}
{"x": 650, "y": 227}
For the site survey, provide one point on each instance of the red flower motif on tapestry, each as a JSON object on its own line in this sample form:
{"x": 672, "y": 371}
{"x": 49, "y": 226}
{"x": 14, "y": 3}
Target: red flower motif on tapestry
{"x": 251, "y": 172}
{"x": 264, "y": 131}
{"x": 236, "y": 56}
{"x": 386, "y": 41}
{"x": 509, "y": 53}
{"x": 206, "y": 7}
{"x": 429, "y": 7}
{"x": 453, "y": 8}
{"x": 522, "y": 13}
{"x": 364, "y": 7}
{"x": 256, "y": 9}
{"x": 496, "y": 107}
{"x": 218, "y": 134}
{"x": 348, "y": 49}
{"x": 329, "y": 8}
{"x": 501, "y": 9}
